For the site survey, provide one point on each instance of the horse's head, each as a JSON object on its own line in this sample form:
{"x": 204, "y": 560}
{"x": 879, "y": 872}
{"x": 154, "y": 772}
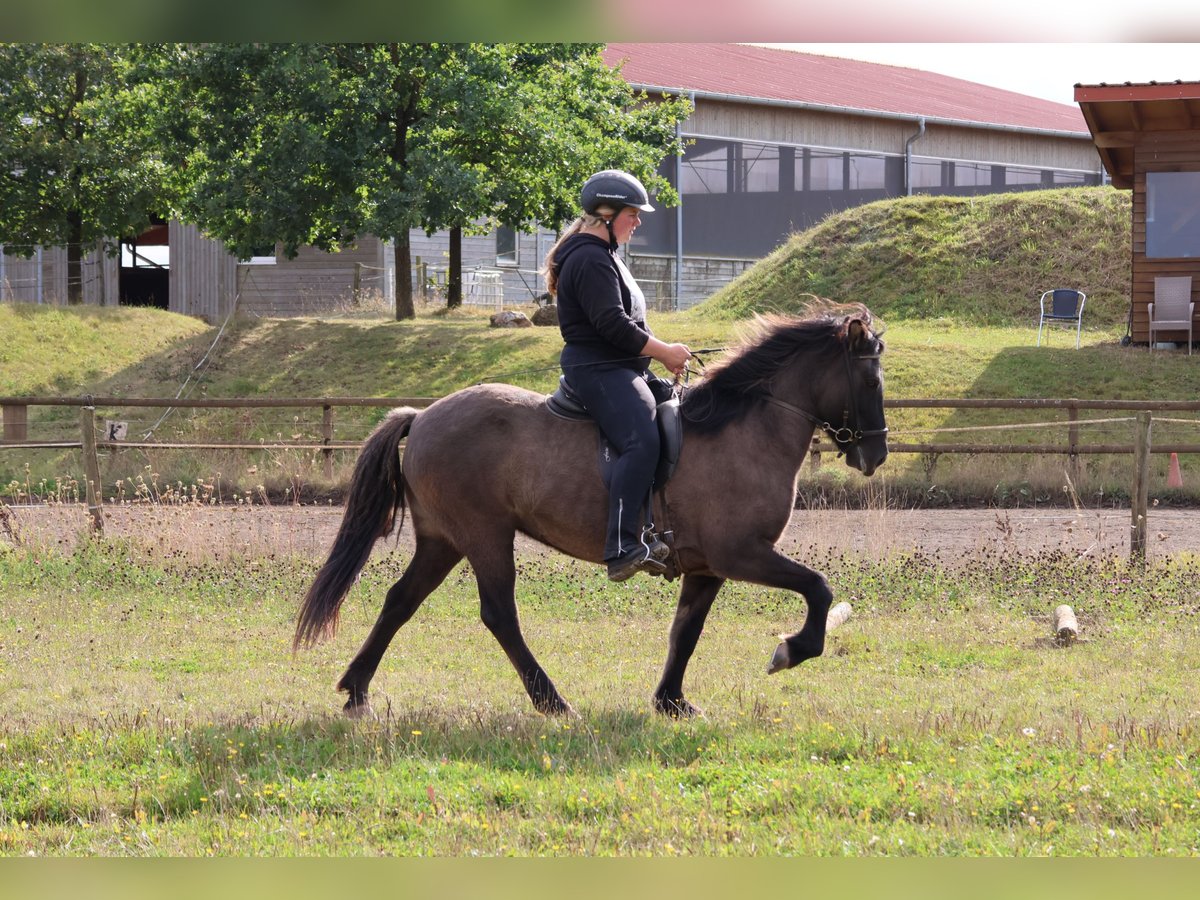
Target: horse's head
{"x": 852, "y": 401}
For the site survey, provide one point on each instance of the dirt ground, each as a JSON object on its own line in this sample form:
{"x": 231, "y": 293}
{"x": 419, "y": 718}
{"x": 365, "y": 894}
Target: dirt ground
{"x": 308, "y": 531}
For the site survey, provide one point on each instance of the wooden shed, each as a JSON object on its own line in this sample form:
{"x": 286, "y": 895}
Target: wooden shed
{"x": 175, "y": 266}
{"x": 1148, "y": 137}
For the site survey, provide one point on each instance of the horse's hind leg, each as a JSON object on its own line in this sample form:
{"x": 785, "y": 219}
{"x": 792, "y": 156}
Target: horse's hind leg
{"x": 430, "y": 565}
{"x": 496, "y": 575}
{"x": 695, "y": 600}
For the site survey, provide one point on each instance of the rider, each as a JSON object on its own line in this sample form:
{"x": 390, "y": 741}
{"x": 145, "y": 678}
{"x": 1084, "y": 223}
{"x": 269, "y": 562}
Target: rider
{"x": 602, "y": 317}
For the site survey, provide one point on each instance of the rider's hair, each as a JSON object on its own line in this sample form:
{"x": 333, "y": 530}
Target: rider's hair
{"x": 549, "y": 269}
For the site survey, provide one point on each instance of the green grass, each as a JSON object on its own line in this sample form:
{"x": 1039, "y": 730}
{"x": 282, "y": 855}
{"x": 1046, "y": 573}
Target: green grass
{"x": 152, "y": 708}
{"x": 975, "y": 260}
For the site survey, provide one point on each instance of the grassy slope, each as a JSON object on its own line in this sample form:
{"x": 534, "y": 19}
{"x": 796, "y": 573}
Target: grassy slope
{"x": 58, "y": 350}
{"x": 980, "y": 260}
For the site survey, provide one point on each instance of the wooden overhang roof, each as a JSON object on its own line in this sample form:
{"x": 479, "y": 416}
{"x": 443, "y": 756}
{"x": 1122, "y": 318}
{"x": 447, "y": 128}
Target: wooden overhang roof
{"x": 1122, "y": 116}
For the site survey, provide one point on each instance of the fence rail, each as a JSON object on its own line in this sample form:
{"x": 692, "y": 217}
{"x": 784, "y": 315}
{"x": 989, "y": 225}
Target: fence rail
{"x": 15, "y": 410}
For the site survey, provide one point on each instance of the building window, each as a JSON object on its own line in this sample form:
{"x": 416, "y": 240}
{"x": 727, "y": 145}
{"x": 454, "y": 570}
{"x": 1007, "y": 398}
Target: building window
{"x": 826, "y": 171}
{"x": 1172, "y": 215}
{"x": 867, "y": 173}
{"x": 705, "y": 168}
{"x": 925, "y": 172}
{"x": 508, "y": 249}
{"x": 758, "y": 169}
{"x": 968, "y": 174}
{"x": 1020, "y": 175}
{"x": 261, "y": 256}
{"x": 1071, "y": 179}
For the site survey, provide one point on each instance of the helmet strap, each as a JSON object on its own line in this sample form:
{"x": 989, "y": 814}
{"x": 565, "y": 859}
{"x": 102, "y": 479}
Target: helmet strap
{"x": 612, "y": 240}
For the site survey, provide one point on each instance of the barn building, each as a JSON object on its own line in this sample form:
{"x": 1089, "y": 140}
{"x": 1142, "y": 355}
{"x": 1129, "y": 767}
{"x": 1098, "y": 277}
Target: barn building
{"x": 777, "y": 141}
{"x": 1148, "y": 138}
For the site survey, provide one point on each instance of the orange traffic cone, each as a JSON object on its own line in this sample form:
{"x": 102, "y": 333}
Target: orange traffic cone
{"x": 1174, "y": 479}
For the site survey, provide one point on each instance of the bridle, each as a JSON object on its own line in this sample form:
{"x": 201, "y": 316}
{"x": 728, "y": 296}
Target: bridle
{"x": 846, "y": 434}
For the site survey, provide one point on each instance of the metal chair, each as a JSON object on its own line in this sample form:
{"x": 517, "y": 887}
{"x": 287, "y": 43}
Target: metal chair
{"x": 1172, "y": 308}
{"x": 1066, "y": 306}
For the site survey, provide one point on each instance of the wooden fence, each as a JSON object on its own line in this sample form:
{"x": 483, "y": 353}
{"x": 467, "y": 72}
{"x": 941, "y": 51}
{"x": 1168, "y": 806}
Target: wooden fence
{"x": 15, "y": 433}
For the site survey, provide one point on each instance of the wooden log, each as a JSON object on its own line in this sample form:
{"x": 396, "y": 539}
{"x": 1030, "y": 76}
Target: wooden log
{"x": 837, "y": 616}
{"x": 1066, "y": 628}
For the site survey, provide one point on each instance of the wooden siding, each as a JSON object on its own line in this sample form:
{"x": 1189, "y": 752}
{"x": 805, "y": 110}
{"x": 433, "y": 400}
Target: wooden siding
{"x": 315, "y": 281}
{"x": 1159, "y": 152}
{"x": 20, "y": 278}
{"x": 202, "y": 279}
{"x": 810, "y": 128}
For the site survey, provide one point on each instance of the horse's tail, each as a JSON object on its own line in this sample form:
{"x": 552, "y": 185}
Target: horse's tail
{"x": 376, "y": 496}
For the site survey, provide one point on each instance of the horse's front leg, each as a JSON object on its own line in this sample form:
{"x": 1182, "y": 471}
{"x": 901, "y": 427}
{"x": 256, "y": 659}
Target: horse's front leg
{"x": 767, "y": 566}
{"x": 695, "y": 600}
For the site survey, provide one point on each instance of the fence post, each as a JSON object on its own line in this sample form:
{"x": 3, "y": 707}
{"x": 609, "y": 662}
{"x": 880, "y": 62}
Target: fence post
{"x": 326, "y": 437}
{"x": 16, "y": 422}
{"x": 1141, "y": 486}
{"x": 91, "y": 466}
{"x": 357, "y": 283}
{"x": 1073, "y": 440}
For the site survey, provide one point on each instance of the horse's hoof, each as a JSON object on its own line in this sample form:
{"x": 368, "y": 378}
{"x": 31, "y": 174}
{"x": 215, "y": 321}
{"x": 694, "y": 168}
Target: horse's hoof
{"x": 559, "y": 707}
{"x": 781, "y": 659}
{"x": 679, "y": 709}
{"x": 361, "y": 710}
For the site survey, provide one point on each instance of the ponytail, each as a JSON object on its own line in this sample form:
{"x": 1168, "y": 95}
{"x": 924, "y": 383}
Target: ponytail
{"x": 549, "y": 269}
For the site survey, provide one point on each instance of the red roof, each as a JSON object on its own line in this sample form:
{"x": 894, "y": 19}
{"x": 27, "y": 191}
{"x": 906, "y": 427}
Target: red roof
{"x": 775, "y": 74}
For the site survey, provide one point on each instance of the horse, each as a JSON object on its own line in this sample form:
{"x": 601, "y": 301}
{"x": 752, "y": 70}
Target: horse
{"x": 489, "y": 461}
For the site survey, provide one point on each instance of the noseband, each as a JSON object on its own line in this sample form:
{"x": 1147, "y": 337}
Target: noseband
{"x": 845, "y": 434}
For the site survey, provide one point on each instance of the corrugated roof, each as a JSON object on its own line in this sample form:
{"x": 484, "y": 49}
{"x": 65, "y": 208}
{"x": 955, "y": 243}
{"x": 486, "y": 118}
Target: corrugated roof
{"x": 785, "y": 75}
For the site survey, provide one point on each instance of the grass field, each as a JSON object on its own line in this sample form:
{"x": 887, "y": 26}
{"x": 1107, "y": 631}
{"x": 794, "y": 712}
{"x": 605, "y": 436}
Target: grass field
{"x": 152, "y": 708}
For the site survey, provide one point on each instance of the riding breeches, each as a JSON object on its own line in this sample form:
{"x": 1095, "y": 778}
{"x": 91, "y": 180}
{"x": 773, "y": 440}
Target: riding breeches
{"x": 621, "y": 402}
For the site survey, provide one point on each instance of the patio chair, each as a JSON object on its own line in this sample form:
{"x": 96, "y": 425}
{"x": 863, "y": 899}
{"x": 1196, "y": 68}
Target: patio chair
{"x": 1172, "y": 308}
{"x": 1066, "y": 306}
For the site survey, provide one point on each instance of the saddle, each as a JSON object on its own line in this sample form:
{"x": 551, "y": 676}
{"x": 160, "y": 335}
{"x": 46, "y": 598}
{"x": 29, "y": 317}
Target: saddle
{"x": 566, "y": 404}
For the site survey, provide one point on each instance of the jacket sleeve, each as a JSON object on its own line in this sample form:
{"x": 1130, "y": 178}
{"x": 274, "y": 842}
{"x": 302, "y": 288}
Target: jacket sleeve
{"x": 599, "y": 292}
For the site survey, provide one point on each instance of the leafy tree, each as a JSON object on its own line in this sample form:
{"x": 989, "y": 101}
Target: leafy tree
{"x": 531, "y": 125}
{"x": 78, "y": 163}
{"x": 317, "y": 144}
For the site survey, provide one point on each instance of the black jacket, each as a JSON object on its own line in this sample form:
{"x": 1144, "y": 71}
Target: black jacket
{"x": 597, "y": 302}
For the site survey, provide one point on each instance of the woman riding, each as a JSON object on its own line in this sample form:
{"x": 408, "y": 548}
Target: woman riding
{"x": 602, "y": 317}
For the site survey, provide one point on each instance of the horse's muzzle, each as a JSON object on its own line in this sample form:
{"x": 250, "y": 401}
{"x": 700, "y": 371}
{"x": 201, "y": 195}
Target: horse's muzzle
{"x": 867, "y": 455}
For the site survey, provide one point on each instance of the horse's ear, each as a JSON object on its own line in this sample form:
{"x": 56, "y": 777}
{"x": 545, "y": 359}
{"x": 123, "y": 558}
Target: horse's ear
{"x": 857, "y": 333}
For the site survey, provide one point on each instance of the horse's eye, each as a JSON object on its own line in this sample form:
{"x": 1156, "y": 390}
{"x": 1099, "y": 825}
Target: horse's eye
{"x": 872, "y": 382}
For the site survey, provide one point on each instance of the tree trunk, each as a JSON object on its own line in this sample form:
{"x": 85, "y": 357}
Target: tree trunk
{"x": 75, "y": 258}
{"x": 404, "y": 292}
{"x": 454, "y": 270}
{"x": 74, "y": 214}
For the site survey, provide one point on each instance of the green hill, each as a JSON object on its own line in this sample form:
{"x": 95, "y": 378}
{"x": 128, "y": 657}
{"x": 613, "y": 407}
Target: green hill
{"x": 977, "y": 260}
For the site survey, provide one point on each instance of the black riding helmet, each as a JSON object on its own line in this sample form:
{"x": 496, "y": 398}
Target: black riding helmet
{"x": 614, "y": 188}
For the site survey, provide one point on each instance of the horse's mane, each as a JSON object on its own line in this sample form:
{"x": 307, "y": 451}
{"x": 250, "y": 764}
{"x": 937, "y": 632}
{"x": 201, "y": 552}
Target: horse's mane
{"x": 739, "y": 382}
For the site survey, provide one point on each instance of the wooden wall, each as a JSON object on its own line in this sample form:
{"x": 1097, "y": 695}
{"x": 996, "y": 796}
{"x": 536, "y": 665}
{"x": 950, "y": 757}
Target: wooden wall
{"x": 1159, "y": 152}
{"x": 314, "y": 280}
{"x": 20, "y": 283}
{"x": 811, "y": 128}
{"x": 203, "y": 274}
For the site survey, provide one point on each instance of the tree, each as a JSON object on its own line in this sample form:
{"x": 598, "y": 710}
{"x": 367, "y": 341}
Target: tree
{"x": 78, "y": 164}
{"x": 317, "y": 144}
{"x": 532, "y": 123}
